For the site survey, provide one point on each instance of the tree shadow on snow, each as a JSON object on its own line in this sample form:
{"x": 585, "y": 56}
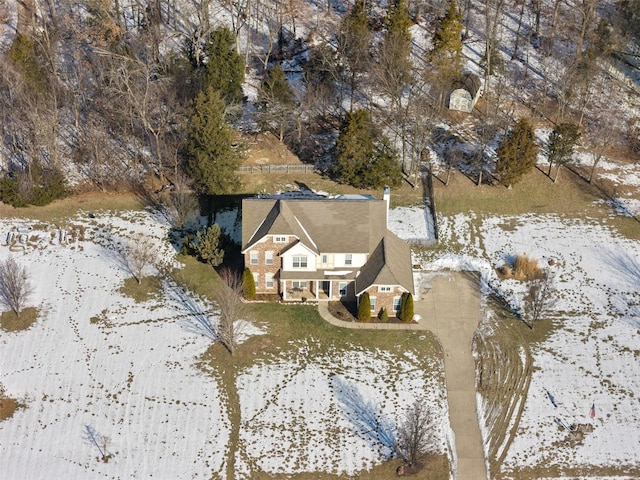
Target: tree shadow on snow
{"x": 627, "y": 266}
{"x": 195, "y": 317}
{"x": 369, "y": 421}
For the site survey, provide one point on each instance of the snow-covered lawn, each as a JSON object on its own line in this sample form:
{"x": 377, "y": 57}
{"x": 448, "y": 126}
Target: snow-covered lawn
{"x": 591, "y": 358}
{"x": 95, "y": 359}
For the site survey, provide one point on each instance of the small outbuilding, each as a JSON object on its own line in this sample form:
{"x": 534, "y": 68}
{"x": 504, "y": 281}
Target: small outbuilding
{"x": 466, "y": 92}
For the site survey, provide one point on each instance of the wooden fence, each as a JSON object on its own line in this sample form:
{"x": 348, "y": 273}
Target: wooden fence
{"x": 284, "y": 168}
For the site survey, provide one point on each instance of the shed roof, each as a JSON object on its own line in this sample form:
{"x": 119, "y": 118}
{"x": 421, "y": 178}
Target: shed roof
{"x": 469, "y": 82}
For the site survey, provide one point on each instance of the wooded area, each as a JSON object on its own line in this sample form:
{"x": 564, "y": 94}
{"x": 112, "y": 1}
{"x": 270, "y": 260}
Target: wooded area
{"x": 111, "y": 93}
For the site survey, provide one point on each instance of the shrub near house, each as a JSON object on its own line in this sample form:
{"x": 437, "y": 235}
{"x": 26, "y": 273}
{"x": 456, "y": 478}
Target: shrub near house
{"x": 319, "y": 248}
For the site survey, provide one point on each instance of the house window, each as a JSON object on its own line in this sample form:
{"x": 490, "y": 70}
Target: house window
{"x": 299, "y": 261}
{"x": 384, "y": 288}
{"x": 268, "y": 258}
{"x": 256, "y": 279}
{"x": 253, "y": 258}
{"x": 299, "y": 284}
{"x": 397, "y": 301}
{"x": 348, "y": 259}
{"x": 268, "y": 280}
{"x": 325, "y": 259}
{"x": 280, "y": 239}
{"x": 373, "y": 303}
{"x": 342, "y": 288}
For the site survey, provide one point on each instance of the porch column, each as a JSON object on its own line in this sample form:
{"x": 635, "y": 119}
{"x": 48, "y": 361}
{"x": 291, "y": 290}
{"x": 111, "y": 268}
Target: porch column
{"x": 283, "y": 289}
{"x": 317, "y": 289}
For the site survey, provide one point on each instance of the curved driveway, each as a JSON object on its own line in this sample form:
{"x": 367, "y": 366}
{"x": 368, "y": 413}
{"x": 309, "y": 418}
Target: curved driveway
{"x": 450, "y": 308}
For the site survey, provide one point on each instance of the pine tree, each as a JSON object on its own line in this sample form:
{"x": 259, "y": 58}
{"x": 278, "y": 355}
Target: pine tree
{"x": 403, "y": 306}
{"x": 516, "y": 153}
{"x": 447, "y": 40}
{"x": 207, "y": 245}
{"x": 364, "y": 309}
{"x": 365, "y": 158}
{"x": 394, "y": 62}
{"x": 212, "y": 161}
{"x": 248, "y": 284}
{"x": 408, "y": 308}
{"x": 562, "y": 142}
{"x": 225, "y": 67}
{"x": 384, "y": 167}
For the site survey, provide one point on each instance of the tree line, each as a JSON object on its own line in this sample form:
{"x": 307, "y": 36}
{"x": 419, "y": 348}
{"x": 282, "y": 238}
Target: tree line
{"x": 108, "y": 93}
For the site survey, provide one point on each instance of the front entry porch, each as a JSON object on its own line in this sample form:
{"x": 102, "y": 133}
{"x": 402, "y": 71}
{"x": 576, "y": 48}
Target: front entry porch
{"x": 303, "y": 290}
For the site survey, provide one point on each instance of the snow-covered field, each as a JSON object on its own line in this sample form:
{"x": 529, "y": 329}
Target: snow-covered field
{"x": 97, "y": 361}
{"x": 592, "y": 358}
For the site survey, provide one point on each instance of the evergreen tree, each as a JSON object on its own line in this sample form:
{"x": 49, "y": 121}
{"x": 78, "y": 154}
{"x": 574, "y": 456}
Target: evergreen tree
{"x": 224, "y": 67}
{"x": 354, "y": 41}
{"x": 212, "y": 162}
{"x": 562, "y": 142}
{"x": 248, "y": 284}
{"x": 276, "y": 100}
{"x": 364, "y": 309}
{"x": 364, "y": 158}
{"x": 447, "y": 40}
{"x": 517, "y": 153}
{"x": 207, "y": 245}
{"x": 407, "y": 313}
{"x": 383, "y": 315}
{"x": 403, "y": 306}
{"x": 394, "y": 62}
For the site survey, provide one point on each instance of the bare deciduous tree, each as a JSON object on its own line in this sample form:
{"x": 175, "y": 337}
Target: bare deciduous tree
{"x": 135, "y": 256}
{"x": 15, "y": 286}
{"x": 181, "y": 203}
{"x": 415, "y": 432}
{"x": 232, "y": 309}
{"x": 541, "y": 297}
{"x": 99, "y": 441}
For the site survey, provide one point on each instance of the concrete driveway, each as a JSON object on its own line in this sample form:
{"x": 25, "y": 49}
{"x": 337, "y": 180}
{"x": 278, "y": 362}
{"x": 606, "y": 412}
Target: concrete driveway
{"x": 451, "y": 310}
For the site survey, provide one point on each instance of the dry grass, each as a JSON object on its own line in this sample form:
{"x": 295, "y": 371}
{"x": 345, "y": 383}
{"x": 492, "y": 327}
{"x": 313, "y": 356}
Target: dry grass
{"x": 524, "y": 268}
{"x": 435, "y": 467}
{"x": 8, "y": 406}
{"x": 148, "y": 288}
{"x": 265, "y": 149}
{"x": 61, "y": 210}
{"x": 10, "y": 322}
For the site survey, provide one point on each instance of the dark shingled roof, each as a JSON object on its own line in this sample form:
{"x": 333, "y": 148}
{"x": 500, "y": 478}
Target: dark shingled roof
{"x": 330, "y": 226}
{"x": 389, "y": 264}
{"x": 347, "y": 225}
{"x": 470, "y": 82}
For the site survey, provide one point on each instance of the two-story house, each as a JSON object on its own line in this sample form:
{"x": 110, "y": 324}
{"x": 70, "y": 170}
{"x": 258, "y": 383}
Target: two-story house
{"x": 326, "y": 249}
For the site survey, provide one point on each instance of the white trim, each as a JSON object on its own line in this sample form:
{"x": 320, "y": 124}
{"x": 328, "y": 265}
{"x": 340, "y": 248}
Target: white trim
{"x": 306, "y": 233}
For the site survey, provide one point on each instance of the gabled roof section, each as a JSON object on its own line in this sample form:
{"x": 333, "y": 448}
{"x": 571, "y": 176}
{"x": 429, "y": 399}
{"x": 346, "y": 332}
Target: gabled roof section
{"x": 277, "y": 220}
{"x": 389, "y": 264}
{"x": 328, "y": 226}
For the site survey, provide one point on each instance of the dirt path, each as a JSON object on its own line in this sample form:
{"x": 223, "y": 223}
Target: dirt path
{"x": 451, "y": 310}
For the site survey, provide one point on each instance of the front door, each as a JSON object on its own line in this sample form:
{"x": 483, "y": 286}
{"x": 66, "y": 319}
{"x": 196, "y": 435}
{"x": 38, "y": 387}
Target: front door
{"x": 325, "y": 286}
